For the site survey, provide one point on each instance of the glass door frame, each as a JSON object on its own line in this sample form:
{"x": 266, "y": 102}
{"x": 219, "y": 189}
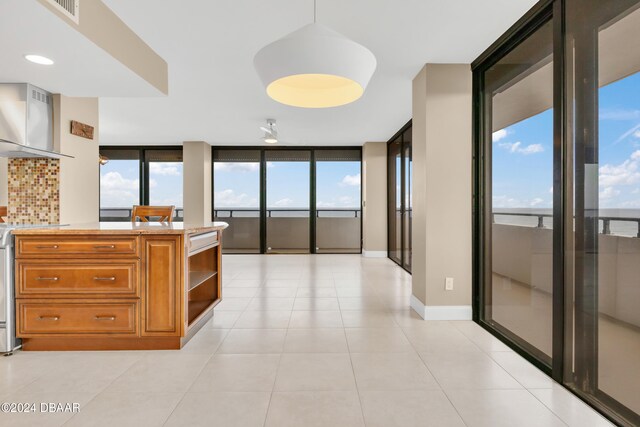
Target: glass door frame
{"x": 263, "y": 188}
{"x": 391, "y": 204}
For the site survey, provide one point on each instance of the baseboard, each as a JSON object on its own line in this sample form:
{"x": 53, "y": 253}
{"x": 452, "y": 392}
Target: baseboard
{"x": 441, "y": 312}
{"x": 374, "y": 254}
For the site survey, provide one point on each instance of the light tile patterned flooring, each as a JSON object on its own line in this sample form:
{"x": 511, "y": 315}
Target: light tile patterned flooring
{"x": 301, "y": 341}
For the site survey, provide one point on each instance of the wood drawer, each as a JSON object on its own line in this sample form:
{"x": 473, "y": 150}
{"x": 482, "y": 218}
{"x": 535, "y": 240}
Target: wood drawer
{"x": 76, "y": 245}
{"x": 199, "y": 242}
{"x": 62, "y": 318}
{"x": 83, "y": 279}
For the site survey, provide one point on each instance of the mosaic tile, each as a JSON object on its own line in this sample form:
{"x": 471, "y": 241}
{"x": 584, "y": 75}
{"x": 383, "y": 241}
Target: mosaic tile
{"x": 34, "y": 191}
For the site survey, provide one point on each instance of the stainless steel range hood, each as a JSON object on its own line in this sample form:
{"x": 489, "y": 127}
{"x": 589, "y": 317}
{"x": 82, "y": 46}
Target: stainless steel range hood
{"x": 26, "y": 122}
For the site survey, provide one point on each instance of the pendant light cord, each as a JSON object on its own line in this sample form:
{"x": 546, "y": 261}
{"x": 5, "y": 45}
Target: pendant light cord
{"x": 314, "y": 11}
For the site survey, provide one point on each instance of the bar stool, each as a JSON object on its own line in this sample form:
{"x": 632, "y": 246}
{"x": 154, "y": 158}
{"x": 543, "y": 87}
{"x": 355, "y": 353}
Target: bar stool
{"x": 144, "y": 213}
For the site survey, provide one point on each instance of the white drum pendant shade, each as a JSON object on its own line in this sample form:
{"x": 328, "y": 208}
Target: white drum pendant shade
{"x": 315, "y": 67}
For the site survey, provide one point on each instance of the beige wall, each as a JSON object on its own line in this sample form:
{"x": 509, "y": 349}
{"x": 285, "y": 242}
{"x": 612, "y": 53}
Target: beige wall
{"x": 196, "y": 157}
{"x": 374, "y": 199}
{"x": 103, "y": 27}
{"x": 80, "y": 176}
{"x": 442, "y": 185}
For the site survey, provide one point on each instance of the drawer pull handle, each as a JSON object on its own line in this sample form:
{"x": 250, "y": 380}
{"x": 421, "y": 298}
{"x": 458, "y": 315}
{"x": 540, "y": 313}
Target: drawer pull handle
{"x": 105, "y": 318}
{"x": 54, "y": 279}
{"x": 47, "y": 247}
{"x": 104, "y": 247}
{"x": 105, "y": 279}
{"x": 54, "y": 318}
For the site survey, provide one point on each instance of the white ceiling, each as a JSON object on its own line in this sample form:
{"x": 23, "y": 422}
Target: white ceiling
{"x": 81, "y": 68}
{"x": 216, "y": 96}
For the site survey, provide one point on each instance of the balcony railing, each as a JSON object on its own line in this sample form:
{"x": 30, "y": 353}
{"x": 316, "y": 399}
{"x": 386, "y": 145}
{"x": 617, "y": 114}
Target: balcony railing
{"x": 279, "y": 212}
{"x": 605, "y": 222}
{"x": 124, "y": 214}
{"x": 338, "y": 229}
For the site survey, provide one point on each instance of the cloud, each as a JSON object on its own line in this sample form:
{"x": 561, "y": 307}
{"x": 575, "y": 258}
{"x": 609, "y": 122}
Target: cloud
{"x": 618, "y": 114}
{"x": 633, "y": 131}
{"x": 167, "y": 169}
{"x": 117, "y": 191}
{"x": 236, "y": 167}
{"x": 229, "y": 199}
{"x": 283, "y": 203}
{"x": 636, "y": 134}
{"x": 609, "y": 193}
{"x": 350, "y": 180}
{"x": 625, "y": 173}
{"x": 517, "y": 147}
{"x": 321, "y": 204}
{"x": 499, "y": 134}
{"x": 511, "y": 202}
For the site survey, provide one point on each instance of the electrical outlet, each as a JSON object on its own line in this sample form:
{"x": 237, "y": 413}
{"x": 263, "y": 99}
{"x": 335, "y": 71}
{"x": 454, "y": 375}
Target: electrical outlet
{"x": 448, "y": 284}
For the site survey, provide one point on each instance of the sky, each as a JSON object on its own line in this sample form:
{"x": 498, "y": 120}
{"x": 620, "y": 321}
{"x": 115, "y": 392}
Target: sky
{"x": 120, "y": 186}
{"x": 523, "y": 154}
{"x": 237, "y": 185}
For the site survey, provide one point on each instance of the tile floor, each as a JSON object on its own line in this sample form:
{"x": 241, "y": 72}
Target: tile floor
{"x": 301, "y": 341}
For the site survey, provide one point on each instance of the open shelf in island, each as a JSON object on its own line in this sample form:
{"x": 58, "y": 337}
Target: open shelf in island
{"x": 203, "y": 287}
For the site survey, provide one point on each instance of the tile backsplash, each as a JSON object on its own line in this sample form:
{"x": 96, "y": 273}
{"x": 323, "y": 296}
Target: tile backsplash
{"x": 33, "y": 191}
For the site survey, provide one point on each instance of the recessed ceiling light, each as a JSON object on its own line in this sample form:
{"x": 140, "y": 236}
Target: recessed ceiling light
{"x": 39, "y": 59}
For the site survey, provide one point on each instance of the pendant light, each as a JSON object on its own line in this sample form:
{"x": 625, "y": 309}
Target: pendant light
{"x": 315, "y": 67}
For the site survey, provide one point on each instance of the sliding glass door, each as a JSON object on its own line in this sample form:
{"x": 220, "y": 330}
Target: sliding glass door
{"x": 288, "y": 178}
{"x": 557, "y": 196}
{"x": 519, "y": 201}
{"x": 338, "y": 191}
{"x": 603, "y": 75}
{"x": 399, "y": 163}
{"x": 236, "y": 198}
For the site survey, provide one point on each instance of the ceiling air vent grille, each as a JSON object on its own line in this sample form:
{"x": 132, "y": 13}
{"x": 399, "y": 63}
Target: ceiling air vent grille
{"x": 40, "y": 96}
{"x": 69, "y": 8}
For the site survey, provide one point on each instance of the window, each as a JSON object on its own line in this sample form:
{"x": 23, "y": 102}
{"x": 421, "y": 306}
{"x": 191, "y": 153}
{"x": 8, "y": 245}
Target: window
{"x": 289, "y": 200}
{"x": 120, "y": 187}
{"x": 165, "y": 177}
{"x": 135, "y": 176}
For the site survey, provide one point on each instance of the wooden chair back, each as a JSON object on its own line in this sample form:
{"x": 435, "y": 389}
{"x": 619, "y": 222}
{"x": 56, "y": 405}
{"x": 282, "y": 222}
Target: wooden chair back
{"x": 3, "y": 214}
{"x": 143, "y": 213}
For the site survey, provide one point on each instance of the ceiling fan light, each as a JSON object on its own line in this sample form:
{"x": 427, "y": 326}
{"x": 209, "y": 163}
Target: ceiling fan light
{"x": 315, "y": 67}
{"x": 270, "y": 140}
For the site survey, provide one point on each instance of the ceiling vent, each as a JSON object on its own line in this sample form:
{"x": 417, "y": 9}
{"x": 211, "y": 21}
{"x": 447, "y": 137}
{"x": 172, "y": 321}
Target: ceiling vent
{"x": 69, "y": 8}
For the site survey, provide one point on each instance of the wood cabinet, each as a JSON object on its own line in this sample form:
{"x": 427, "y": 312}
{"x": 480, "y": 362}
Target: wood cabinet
{"x": 95, "y": 291}
{"x": 161, "y": 281}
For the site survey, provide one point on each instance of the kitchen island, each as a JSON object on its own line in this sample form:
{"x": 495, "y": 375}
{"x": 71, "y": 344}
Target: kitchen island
{"x": 116, "y": 285}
